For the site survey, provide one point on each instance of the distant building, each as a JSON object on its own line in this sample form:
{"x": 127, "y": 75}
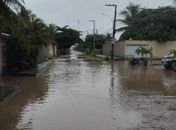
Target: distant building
{"x": 51, "y": 50}
{"x": 42, "y": 54}
{"x": 126, "y": 49}
{"x": 46, "y": 52}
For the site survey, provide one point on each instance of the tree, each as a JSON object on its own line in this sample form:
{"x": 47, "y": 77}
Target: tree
{"x": 4, "y": 6}
{"x": 6, "y": 13}
{"x": 149, "y": 24}
{"x": 99, "y": 40}
{"x": 28, "y": 33}
{"x": 52, "y": 32}
{"x": 65, "y": 38}
{"x": 144, "y": 52}
{"x": 172, "y": 52}
{"x": 26, "y": 37}
{"x": 130, "y": 16}
{"x": 14, "y": 3}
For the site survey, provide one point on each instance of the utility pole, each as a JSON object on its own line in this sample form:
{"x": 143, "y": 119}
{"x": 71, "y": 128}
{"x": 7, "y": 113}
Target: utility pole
{"x": 93, "y": 21}
{"x": 114, "y": 28}
{"x": 78, "y": 24}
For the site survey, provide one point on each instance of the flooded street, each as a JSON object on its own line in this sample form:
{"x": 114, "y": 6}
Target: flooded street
{"x": 80, "y": 93}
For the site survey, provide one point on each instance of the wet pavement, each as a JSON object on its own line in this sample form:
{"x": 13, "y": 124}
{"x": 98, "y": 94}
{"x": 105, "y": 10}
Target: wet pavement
{"x": 81, "y": 93}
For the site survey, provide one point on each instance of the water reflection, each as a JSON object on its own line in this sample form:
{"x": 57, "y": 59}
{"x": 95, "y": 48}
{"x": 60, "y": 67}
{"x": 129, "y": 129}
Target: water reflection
{"x": 126, "y": 118}
{"x": 144, "y": 90}
{"x": 81, "y": 93}
{"x": 32, "y": 90}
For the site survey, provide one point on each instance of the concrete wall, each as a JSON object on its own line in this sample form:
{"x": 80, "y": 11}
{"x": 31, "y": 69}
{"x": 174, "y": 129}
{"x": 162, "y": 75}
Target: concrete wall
{"x": 120, "y": 48}
{"x": 42, "y": 54}
{"x": 159, "y": 49}
{"x": 50, "y": 51}
{"x": 55, "y": 50}
{"x": 45, "y": 53}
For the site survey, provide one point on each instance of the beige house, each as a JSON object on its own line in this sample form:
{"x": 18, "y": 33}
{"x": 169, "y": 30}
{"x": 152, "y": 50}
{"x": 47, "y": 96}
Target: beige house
{"x": 51, "y": 50}
{"x": 45, "y": 53}
{"x": 126, "y": 49}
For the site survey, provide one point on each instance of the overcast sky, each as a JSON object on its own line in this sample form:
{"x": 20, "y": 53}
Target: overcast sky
{"x": 68, "y": 12}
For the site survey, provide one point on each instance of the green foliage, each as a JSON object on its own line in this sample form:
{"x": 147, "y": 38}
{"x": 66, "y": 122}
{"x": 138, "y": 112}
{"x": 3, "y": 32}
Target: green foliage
{"x": 4, "y": 6}
{"x": 97, "y": 39}
{"x": 88, "y": 44}
{"x": 107, "y": 58}
{"x": 149, "y": 24}
{"x": 130, "y": 16}
{"x": 144, "y": 52}
{"x": 20, "y": 56}
{"x": 66, "y": 37}
{"x": 27, "y": 34}
{"x": 172, "y": 52}
{"x": 14, "y": 3}
{"x": 94, "y": 52}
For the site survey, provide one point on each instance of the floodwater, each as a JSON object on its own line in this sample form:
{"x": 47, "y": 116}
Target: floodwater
{"x": 80, "y": 93}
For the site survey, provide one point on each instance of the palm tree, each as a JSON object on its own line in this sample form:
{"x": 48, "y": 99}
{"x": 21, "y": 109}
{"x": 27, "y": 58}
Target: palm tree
{"x": 144, "y": 52}
{"x": 39, "y": 30}
{"x": 13, "y": 3}
{"x": 4, "y": 5}
{"x": 7, "y": 14}
{"x": 172, "y": 52}
{"x": 129, "y": 15}
{"x": 33, "y": 26}
{"x": 52, "y": 31}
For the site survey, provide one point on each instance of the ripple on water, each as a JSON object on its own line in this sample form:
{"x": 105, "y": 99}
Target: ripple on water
{"x": 79, "y": 93}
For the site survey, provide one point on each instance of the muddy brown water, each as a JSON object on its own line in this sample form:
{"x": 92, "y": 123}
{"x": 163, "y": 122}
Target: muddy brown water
{"x": 80, "y": 93}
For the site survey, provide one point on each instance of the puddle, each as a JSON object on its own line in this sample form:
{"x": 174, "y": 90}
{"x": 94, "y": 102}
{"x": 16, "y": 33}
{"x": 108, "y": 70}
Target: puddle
{"x": 76, "y": 93}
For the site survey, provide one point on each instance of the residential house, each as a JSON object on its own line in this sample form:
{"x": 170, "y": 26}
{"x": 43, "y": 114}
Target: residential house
{"x": 42, "y": 54}
{"x": 46, "y": 52}
{"x": 51, "y": 50}
{"x": 127, "y": 49}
